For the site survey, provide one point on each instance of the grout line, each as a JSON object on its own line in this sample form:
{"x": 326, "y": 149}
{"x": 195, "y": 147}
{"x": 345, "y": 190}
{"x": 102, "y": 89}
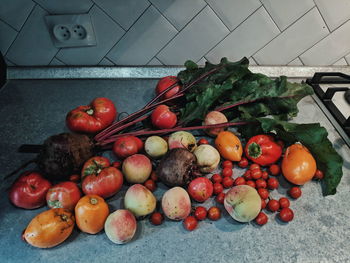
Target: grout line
{"x": 54, "y": 56}
{"x": 273, "y": 20}
{"x": 251, "y": 57}
{"x": 178, "y": 30}
{"x": 106, "y": 59}
{"x": 218, "y": 16}
{"x": 9, "y": 61}
{"x": 105, "y": 56}
{"x": 176, "y": 36}
{"x": 322, "y": 18}
{"x": 41, "y": 6}
{"x": 30, "y": 13}
{"x": 230, "y": 33}
{"x": 99, "y": 7}
{"x": 1, "y": 20}
{"x": 60, "y": 60}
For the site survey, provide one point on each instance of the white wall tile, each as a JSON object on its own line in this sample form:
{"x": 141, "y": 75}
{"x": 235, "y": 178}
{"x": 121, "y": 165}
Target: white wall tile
{"x": 334, "y": 12}
{"x": 340, "y": 62}
{"x": 347, "y": 58}
{"x": 56, "y": 62}
{"x": 155, "y": 62}
{"x": 296, "y": 62}
{"x": 234, "y": 12}
{"x": 144, "y": 40}
{"x": 246, "y": 39}
{"x": 107, "y": 33}
{"x": 125, "y": 12}
{"x": 65, "y": 6}
{"x": 106, "y": 62}
{"x": 300, "y": 36}
{"x": 179, "y": 12}
{"x": 7, "y": 35}
{"x": 33, "y": 45}
{"x": 15, "y": 12}
{"x": 285, "y": 12}
{"x": 197, "y": 38}
{"x": 330, "y": 49}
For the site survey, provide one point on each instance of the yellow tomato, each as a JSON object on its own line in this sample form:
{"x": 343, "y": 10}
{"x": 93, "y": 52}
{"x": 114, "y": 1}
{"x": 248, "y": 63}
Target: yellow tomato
{"x": 298, "y": 165}
{"x": 229, "y": 146}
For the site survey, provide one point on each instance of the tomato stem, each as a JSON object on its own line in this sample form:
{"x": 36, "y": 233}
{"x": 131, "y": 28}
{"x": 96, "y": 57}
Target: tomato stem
{"x": 254, "y": 150}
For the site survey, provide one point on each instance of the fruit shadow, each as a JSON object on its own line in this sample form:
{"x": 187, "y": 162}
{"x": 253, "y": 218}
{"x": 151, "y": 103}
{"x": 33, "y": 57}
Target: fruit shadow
{"x": 227, "y": 223}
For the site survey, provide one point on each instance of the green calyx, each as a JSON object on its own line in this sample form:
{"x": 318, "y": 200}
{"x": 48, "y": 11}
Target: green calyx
{"x": 254, "y": 150}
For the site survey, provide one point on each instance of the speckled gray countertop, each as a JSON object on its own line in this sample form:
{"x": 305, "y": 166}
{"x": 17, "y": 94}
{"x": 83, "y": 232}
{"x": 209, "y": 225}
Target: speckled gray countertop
{"x": 31, "y": 110}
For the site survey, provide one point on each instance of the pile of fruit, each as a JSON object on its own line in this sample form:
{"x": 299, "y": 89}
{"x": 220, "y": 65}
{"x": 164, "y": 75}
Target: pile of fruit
{"x": 155, "y": 148}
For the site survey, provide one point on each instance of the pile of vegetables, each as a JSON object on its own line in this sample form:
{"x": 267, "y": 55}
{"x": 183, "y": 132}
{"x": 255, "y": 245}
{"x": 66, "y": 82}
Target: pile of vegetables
{"x": 153, "y": 144}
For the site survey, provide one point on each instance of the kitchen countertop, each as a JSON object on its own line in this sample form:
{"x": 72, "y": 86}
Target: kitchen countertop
{"x": 31, "y": 110}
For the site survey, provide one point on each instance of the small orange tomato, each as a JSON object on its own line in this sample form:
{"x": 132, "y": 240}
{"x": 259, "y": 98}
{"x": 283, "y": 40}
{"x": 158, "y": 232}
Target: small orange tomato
{"x": 229, "y": 146}
{"x": 298, "y": 165}
{"x": 49, "y": 228}
{"x": 91, "y": 213}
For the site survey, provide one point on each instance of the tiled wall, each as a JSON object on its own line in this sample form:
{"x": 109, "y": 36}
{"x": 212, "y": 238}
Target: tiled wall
{"x": 168, "y": 32}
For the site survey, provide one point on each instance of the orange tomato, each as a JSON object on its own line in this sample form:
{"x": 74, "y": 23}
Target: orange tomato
{"x": 229, "y": 146}
{"x": 91, "y": 213}
{"x": 49, "y": 228}
{"x": 298, "y": 165}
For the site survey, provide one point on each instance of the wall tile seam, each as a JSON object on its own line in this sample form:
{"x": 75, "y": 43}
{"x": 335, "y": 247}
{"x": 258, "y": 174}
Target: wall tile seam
{"x": 204, "y": 56}
{"x": 54, "y": 56}
{"x": 324, "y": 20}
{"x": 30, "y": 13}
{"x": 9, "y": 61}
{"x": 285, "y": 30}
{"x": 107, "y": 59}
{"x": 267, "y": 11}
{"x": 178, "y": 30}
{"x": 3, "y": 21}
{"x": 176, "y": 36}
{"x": 217, "y": 16}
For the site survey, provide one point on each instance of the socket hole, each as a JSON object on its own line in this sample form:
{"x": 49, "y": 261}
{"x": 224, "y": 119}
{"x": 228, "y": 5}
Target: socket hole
{"x": 62, "y": 27}
{"x": 78, "y": 27}
{"x": 75, "y": 31}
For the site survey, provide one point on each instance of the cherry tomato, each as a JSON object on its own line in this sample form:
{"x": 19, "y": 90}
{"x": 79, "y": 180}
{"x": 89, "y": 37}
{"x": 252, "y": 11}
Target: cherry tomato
{"x": 220, "y": 198}
{"x": 214, "y": 213}
{"x": 117, "y": 164}
{"x": 156, "y": 218}
{"x": 251, "y": 183}
{"x": 286, "y": 214}
{"x": 227, "y": 164}
{"x": 75, "y": 178}
{"x": 163, "y": 118}
{"x": 260, "y": 183}
{"x": 243, "y": 163}
{"x": 190, "y": 223}
{"x": 200, "y": 213}
{"x": 239, "y": 181}
{"x": 218, "y": 188}
{"x": 154, "y": 176}
{"x": 254, "y": 166}
{"x": 295, "y": 192}
{"x": 261, "y": 219}
{"x": 264, "y": 193}
{"x": 227, "y": 172}
{"x": 63, "y": 195}
{"x": 150, "y": 185}
{"x": 256, "y": 174}
{"x": 229, "y": 146}
{"x": 216, "y": 178}
{"x": 263, "y": 203}
{"x": 202, "y": 141}
{"x": 227, "y": 182}
{"x": 274, "y": 169}
{"x": 318, "y": 175}
{"x": 165, "y": 83}
{"x": 284, "y": 202}
{"x": 273, "y": 205}
{"x": 264, "y": 175}
{"x": 272, "y": 183}
{"x": 248, "y": 175}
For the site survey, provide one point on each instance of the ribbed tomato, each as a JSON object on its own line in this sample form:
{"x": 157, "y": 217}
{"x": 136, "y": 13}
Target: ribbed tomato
{"x": 229, "y": 146}
{"x": 298, "y": 165}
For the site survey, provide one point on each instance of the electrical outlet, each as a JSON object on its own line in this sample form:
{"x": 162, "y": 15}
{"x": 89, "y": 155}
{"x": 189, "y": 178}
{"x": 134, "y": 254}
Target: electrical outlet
{"x": 71, "y": 30}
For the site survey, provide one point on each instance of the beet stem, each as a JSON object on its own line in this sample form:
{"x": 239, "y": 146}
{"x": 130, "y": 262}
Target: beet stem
{"x": 20, "y": 168}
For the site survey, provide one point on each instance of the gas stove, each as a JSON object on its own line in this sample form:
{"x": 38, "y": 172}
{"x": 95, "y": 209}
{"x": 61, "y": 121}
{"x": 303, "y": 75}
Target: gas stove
{"x": 333, "y": 97}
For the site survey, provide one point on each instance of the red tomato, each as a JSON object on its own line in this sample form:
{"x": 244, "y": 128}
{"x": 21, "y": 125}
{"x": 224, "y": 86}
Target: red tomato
{"x": 214, "y": 213}
{"x": 190, "y": 223}
{"x": 126, "y": 146}
{"x": 318, "y": 175}
{"x": 251, "y": 183}
{"x": 260, "y": 183}
{"x": 286, "y": 214}
{"x": 165, "y": 83}
{"x": 256, "y": 174}
{"x": 92, "y": 118}
{"x": 227, "y": 164}
{"x": 228, "y": 182}
{"x": 156, "y": 218}
{"x": 295, "y": 192}
{"x": 203, "y": 141}
{"x": 227, "y": 172}
{"x": 200, "y": 213}
{"x": 216, "y": 178}
{"x": 254, "y": 166}
{"x": 239, "y": 181}
{"x": 274, "y": 169}
{"x": 117, "y": 164}
{"x": 273, "y": 205}
{"x": 200, "y": 189}
{"x": 284, "y": 202}
{"x": 163, "y": 118}
{"x": 220, "y": 198}
{"x": 264, "y": 194}
{"x": 218, "y": 188}
{"x": 261, "y": 219}
{"x": 63, "y": 195}
{"x": 264, "y": 175}
{"x": 29, "y": 190}
{"x": 243, "y": 163}
{"x": 263, "y": 204}
{"x": 272, "y": 183}
{"x": 154, "y": 176}
{"x": 75, "y": 178}
{"x": 99, "y": 178}
{"x": 150, "y": 185}
{"x": 247, "y": 175}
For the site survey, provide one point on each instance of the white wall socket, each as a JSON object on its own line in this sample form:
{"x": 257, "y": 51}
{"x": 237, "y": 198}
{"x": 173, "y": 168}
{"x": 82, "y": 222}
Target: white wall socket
{"x": 71, "y": 30}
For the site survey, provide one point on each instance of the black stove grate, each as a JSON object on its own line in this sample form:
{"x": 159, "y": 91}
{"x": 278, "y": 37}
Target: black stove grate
{"x": 326, "y": 97}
